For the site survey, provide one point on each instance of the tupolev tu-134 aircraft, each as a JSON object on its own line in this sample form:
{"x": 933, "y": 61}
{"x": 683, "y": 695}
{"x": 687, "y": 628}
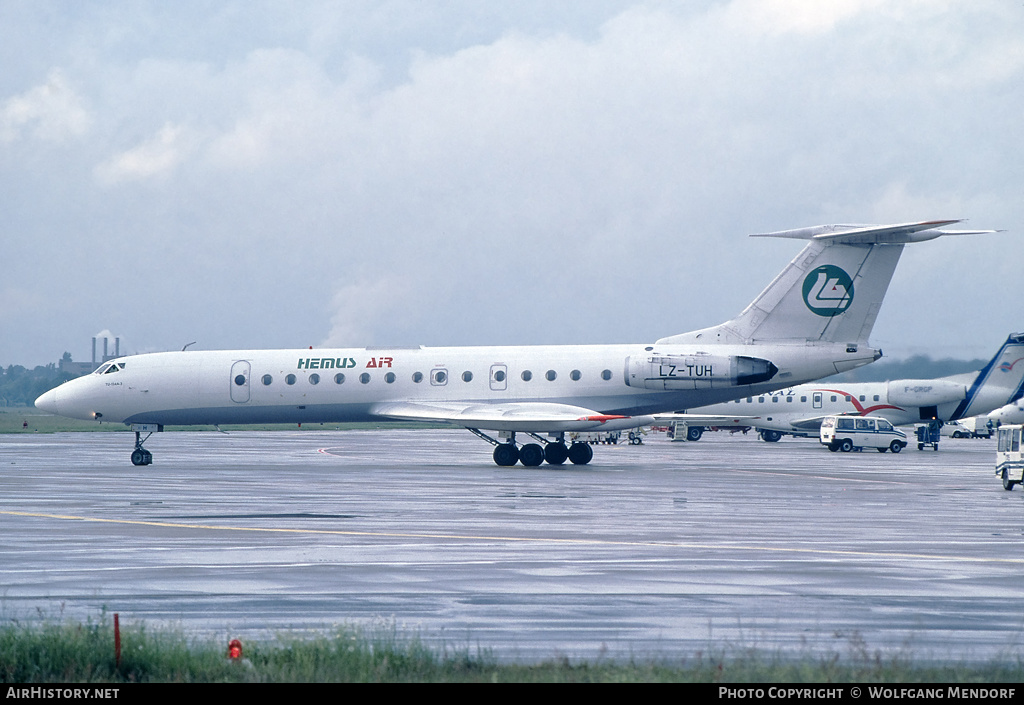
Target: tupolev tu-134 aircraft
{"x": 813, "y": 320}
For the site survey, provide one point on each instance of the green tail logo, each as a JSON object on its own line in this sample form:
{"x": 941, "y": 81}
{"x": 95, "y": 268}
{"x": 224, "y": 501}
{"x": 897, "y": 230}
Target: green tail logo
{"x": 828, "y": 290}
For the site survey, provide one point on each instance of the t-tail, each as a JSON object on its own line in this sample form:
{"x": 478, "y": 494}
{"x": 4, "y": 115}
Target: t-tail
{"x": 997, "y": 384}
{"x": 830, "y": 293}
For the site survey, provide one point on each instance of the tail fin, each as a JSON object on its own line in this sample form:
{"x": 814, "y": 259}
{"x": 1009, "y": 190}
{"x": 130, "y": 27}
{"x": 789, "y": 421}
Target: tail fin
{"x": 831, "y": 292}
{"x": 998, "y": 383}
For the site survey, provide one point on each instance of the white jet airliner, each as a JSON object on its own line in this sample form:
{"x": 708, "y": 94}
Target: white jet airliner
{"x": 812, "y": 320}
{"x": 798, "y": 411}
{"x": 1012, "y": 413}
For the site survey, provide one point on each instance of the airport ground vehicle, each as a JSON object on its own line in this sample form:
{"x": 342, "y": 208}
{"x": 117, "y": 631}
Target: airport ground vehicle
{"x": 974, "y": 427}
{"x": 847, "y": 433}
{"x": 682, "y": 431}
{"x": 955, "y": 429}
{"x": 1009, "y": 460}
{"x": 928, "y": 434}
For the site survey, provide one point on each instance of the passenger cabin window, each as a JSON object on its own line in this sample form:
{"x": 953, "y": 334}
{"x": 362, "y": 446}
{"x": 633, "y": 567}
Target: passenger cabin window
{"x": 550, "y": 375}
{"x": 467, "y": 376}
{"x": 339, "y": 378}
{"x": 364, "y": 378}
{"x": 606, "y": 375}
{"x": 290, "y": 379}
{"x": 267, "y": 380}
{"x": 417, "y": 377}
{"x": 314, "y": 378}
{"x": 527, "y": 375}
{"x": 575, "y": 375}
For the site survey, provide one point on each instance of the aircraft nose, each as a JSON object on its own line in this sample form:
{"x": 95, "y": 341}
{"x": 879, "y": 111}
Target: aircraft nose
{"x": 47, "y": 402}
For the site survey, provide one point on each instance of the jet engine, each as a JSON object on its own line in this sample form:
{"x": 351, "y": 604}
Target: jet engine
{"x": 925, "y": 392}
{"x": 697, "y": 371}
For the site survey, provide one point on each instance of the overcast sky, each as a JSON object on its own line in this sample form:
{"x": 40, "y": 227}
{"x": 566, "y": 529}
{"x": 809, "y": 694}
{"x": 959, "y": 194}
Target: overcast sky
{"x": 266, "y": 174}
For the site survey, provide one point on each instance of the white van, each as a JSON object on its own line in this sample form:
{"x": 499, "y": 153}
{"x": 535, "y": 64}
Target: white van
{"x": 848, "y": 432}
{"x": 1009, "y": 460}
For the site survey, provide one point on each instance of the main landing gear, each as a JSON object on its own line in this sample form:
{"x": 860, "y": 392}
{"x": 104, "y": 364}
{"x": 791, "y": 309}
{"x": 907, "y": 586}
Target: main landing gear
{"x": 555, "y": 452}
{"x": 141, "y": 456}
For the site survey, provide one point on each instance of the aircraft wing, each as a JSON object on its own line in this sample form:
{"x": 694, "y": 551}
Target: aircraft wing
{"x": 708, "y": 419}
{"x": 809, "y": 424}
{"x": 536, "y": 417}
{"x": 812, "y": 423}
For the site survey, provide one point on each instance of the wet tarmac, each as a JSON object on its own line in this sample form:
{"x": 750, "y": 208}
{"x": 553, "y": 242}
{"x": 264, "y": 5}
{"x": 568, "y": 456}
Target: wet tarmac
{"x": 664, "y": 549}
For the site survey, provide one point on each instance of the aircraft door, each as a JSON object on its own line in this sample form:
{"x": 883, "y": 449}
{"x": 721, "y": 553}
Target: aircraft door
{"x": 816, "y": 400}
{"x": 240, "y": 374}
{"x": 499, "y": 378}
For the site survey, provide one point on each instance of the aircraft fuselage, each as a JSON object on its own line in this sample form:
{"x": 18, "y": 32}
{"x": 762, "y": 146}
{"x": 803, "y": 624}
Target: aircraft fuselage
{"x": 336, "y": 385}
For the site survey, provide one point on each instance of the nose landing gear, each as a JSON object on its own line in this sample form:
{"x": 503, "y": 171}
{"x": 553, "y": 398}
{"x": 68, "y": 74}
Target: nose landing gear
{"x": 141, "y": 456}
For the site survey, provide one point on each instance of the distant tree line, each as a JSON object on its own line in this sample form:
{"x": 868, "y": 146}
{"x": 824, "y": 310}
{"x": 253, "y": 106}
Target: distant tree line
{"x": 20, "y": 386}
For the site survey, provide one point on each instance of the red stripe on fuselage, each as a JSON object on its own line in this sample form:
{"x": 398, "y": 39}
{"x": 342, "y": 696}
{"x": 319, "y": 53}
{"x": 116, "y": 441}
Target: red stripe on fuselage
{"x": 860, "y": 409}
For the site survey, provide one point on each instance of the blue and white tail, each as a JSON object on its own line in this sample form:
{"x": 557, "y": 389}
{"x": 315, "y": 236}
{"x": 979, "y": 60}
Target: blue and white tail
{"x": 997, "y": 384}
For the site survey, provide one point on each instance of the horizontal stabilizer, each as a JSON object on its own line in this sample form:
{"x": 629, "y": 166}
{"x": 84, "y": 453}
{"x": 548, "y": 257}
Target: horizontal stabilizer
{"x": 898, "y": 234}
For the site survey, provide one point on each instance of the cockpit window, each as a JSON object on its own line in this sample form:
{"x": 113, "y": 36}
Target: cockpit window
{"x": 109, "y": 368}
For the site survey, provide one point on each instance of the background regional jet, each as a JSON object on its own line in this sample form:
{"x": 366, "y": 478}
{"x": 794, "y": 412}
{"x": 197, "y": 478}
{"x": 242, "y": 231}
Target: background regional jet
{"x": 799, "y": 410}
{"x": 1010, "y": 414}
{"x": 812, "y": 320}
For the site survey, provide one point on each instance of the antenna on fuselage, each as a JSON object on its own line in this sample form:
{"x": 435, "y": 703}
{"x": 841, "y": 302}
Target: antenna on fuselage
{"x": 187, "y": 344}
